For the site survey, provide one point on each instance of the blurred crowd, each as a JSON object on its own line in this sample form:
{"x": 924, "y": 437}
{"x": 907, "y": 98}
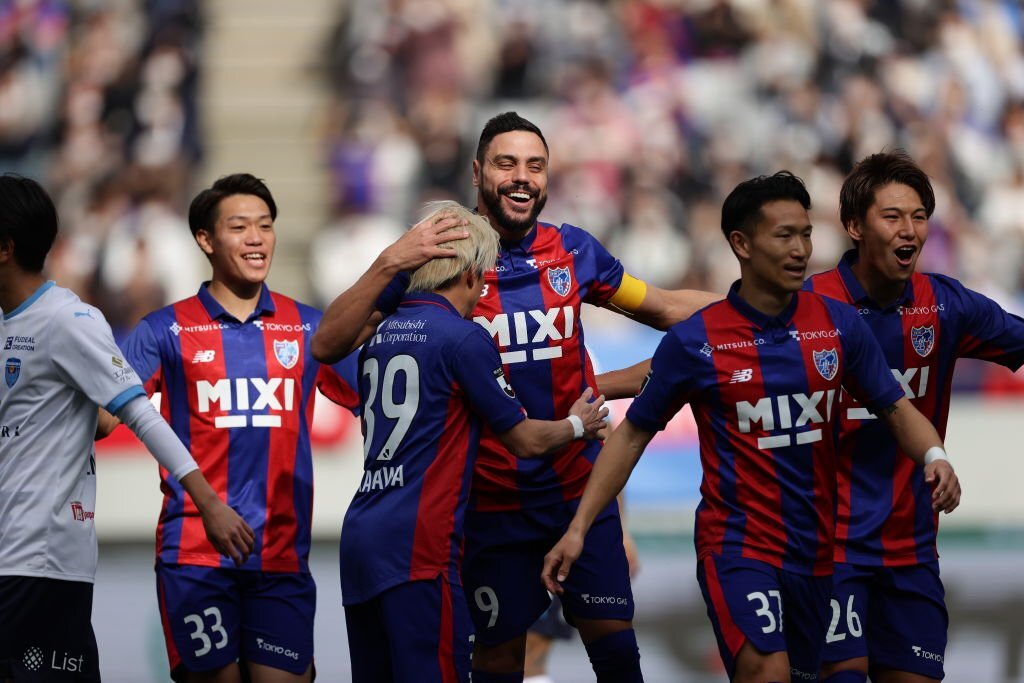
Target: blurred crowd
{"x": 98, "y": 101}
{"x": 653, "y": 109}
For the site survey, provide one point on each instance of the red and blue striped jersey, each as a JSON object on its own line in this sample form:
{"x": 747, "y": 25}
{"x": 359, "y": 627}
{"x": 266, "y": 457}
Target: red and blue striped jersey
{"x": 427, "y": 379}
{"x": 531, "y": 307}
{"x": 765, "y": 393}
{"x": 884, "y": 514}
{"x": 239, "y": 395}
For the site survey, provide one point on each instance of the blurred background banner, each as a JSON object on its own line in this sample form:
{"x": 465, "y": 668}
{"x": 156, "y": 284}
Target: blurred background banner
{"x": 356, "y": 112}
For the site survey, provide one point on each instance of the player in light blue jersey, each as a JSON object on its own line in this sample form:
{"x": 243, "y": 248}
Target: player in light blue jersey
{"x": 60, "y": 362}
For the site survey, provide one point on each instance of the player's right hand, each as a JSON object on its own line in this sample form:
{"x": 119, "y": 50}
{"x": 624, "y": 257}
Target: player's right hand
{"x": 945, "y": 486}
{"x": 228, "y": 533}
{"x": 592, "y": 413}
{"x": 560, "y": 559}
{"x": 422, "y": 241}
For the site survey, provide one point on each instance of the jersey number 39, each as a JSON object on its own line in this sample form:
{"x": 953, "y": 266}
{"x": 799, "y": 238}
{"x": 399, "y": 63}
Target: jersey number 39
{"x": 402, "y": 412}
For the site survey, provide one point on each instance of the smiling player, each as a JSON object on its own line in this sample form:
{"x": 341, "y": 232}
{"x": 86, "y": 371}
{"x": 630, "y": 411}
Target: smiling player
{"x": 531, "y": 305}
{"x": 763, "y": 370}
{"x": 237, "y": 382}
{"x": 888, "y": 606}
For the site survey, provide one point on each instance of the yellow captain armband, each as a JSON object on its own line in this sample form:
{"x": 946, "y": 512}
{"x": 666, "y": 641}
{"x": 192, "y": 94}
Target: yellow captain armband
{"x": 630, "y": 294}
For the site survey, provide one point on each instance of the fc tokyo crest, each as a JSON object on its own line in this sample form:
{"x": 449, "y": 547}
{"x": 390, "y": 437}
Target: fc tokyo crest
{"x": 560, "y": 280}
{"x": 923, "y": 339}
{"x": 827, "y": 362}
{"x": 287, "y": 353}
{"x": 12, "y": 371}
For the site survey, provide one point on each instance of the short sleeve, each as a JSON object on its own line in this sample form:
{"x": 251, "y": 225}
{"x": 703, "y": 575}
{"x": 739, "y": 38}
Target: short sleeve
{"x": 604, "y": 270}
{"x": 83, "y": 349}
{"x": 987, "y": 331}
{"x": 339, "y": 382}
{"x": 669, "y": 385}
{"x": 479, "y": 372}
{"x": 142, "y": 351}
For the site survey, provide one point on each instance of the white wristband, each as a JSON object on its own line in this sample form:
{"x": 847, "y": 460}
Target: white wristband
{"x": 577, "y": 426}
{"x": 934, "y": 453}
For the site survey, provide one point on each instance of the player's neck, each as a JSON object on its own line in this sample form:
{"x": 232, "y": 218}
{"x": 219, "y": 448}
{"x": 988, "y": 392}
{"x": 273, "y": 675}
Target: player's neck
{"x": 16, "y": 288}
{"x": 236, "y": 298}
{"x": 765, "y": 300}
{"x": 882, "y": 290}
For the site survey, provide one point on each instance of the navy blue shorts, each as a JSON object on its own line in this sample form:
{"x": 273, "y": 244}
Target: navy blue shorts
{"x": 46, "y": 630}
{"x": 416, "y": 632}
{"x": 214, "y": 616}
{"x": 894, "y": 616}
{"x": 774, "y": 609}
{"x": 505, "y": 555}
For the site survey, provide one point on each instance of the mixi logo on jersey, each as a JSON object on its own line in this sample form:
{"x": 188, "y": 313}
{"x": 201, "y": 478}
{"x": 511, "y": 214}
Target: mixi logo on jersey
{"x": 535, "y": 328}
{"x": 247, "y": 394}
{"x": 776, "y": 412}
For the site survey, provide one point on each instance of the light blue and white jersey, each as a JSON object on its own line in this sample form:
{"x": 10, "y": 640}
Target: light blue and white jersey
{"x": 59, "y": 362}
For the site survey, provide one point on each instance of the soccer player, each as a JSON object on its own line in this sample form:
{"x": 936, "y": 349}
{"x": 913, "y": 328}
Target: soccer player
{"x": 764, "y": 371}
{"x": 888, "y": 606}
{"x": 237, "y": 383}
{"x": 429, "y": 377}
{"x": 60, "y": 361}
{"x": 530, "y": 304}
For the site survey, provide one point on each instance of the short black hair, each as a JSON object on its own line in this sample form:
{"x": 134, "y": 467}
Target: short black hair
{"x": 876, "y": 171}
{"x": 28, "y": 219}
{"x": 742, "y": 208}
{"x": 505, "y": 123}
{"x": 202, "y": 213}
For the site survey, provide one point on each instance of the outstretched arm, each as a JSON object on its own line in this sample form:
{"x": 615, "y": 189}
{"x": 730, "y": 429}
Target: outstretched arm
{"x": 656, "y": 307}
{"x": 614, "y": 464}
{"x": 351, "y": 317}
{"x": 624, "y": 383}
{"x": 917, "y": 438}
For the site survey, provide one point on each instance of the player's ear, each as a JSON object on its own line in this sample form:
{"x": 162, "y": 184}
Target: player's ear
{"x": 205, "y": 241}
{"x": 476, "y": 173}
{"x": 6, "y": 249}
{"x": 740, "y": 243}
{"x": 854, "y": 230}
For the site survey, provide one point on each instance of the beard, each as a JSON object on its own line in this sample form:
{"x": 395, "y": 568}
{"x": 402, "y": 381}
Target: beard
{"x": 509, "y": 223}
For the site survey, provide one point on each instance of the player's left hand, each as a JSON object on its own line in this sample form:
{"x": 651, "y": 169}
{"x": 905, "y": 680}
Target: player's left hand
{"x": 945, "y": 486}
{"x": 560, "y": 559}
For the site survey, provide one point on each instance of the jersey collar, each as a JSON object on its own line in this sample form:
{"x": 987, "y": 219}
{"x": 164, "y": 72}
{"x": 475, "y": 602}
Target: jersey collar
{"x": 30, "y": 300}
{"x": 858, "y": 293}
{"x": 429, "y": 299}
{"x": 264, "y": 306}
{"x": 757, "y": 317}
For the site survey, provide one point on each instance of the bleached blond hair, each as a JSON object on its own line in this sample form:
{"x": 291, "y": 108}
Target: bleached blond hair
{"x": 477, "y": 252}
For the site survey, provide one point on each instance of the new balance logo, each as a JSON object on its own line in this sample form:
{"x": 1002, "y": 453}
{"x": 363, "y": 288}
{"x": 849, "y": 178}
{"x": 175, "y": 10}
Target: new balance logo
{"x": 744, "y": 375}
{"x": 204, "y": 356}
